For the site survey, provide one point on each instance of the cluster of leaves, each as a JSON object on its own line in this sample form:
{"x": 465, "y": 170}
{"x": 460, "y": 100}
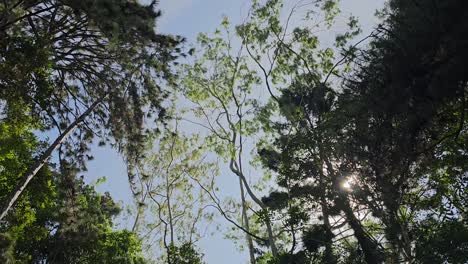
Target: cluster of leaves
{"x": 185, "y": 254}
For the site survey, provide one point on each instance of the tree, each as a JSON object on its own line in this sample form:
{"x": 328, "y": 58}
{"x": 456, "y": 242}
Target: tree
{"x": 386, "y": 142}
{"x": 185, "y": 254}
{"x": 401, "y": 111}
{"x": 222, "y": 82}
{"x": 301, "y": 65}
{"x": 218, "y": 85}
{"x": 18, "y": 145}
{"x": 59, "y": 219}
{"x": 171, "y": 196}
{"x": 363, "y": 145}
{"x": 86, "y": 68}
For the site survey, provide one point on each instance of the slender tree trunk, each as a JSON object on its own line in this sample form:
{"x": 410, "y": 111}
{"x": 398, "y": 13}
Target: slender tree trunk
{"x": 397, "y": 236}
{"x": 68, "y": 184}
{"x": 369, "y": 247}
{"x": 372, "y": 254}
{"x": 169, "y": 211}
{"x": 329, "y": 256}
{"x": 171, "y": 232}
{"x": 271, "y": 237}
{"x": 245, "y": 223}
{"x": 44, "y": 159}
{"x": 407, "y": 243}
{"x": 391, "y": 234}
{"x": 135, "y": 223}
{"x": 395, "y": 230}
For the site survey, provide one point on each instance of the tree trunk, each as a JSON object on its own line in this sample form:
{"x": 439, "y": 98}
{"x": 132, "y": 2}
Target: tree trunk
{"x": 372, "y": 254}
{"x": 169, "y": 210}
{"x": 329, "y": 256}
{"x": 245, "y": 223}
{"x": 271, "y": 237}
{"x": 395, "y": 230}
{"x": 369, "y": 247}
{"x": 44, "y": 159}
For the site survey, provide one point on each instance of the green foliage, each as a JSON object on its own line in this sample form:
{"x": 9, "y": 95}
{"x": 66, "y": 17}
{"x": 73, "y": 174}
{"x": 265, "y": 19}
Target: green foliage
{"x": 391, "y": 135}
{"x": 315, "y": 237}
{"x": 58, "y": 57}
{"x": 175, "y": 180}
{"x": 123, "y": 20}
{"x": 367, "y": 146}
{"x": 75, "y": 228}
{"x": 58, "y": 218}
{"x": 120, "y": 247}
{"x": 185, "y": 254}
{"x": 17, "y": 148}
{"x": 442, "y": 243}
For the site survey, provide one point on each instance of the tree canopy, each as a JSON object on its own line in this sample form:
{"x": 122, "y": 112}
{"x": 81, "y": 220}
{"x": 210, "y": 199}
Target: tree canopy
{"x": 337, "y": 152}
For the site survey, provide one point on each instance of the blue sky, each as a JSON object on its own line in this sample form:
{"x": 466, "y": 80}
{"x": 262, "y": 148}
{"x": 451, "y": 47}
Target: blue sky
{"x": 188, "y": 18}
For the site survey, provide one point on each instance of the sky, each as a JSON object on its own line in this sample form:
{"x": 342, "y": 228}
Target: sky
{"x": 188, "y": 18}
